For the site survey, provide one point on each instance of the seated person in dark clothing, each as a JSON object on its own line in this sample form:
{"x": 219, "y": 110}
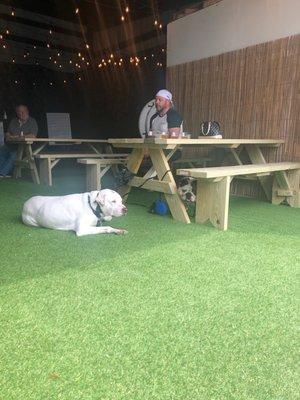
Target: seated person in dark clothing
{"x": 166, "y": 119}
{"x": 22, "y": 126}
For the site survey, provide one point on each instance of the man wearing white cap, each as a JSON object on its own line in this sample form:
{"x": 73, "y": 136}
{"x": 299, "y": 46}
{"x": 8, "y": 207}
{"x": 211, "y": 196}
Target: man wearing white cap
{"x": 166, "y": 119}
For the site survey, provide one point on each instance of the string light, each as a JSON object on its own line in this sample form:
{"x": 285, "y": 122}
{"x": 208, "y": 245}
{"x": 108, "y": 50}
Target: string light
{"x": 12, "y": 13}
{"x": 87, "y": 46}
{"x": 7, "y": 31}
{"x": 1, "y": 37}
{"x": 50, "y": 83}
{"x": 79, "y": 54}
{"x": 122, "y": 18}
{"x": 70, "y": 61}
{"x": 13, "y": 60}
{"x": 76, "y": 10}
{"x": 16, "y": 82}
{"x": 4, "y": 46}
{"x": 111, "y": 56}
{"x": 160, "y": 26}
{"x": 155, "y": 22}
{"x": 65, "y": 81}
{"x": 50, "y": 32}
{"x": 48, "y": 45}
{"x": 58, "y": 54}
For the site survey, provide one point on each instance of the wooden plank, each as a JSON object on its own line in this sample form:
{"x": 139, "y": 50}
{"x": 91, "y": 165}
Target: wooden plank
{"x": 134, "y": 160}
{"x": 162, "y": 168}
{"x": 152, "y": 173}
{"x": 93, "y": 177}
{"x": 18, "y": 168}
{"x": 294, "y": 179}
{"x": 31, "y": 164}
{"x": 284, "y": 193}
{"x": 101, "y": 161}
{"x": 45, "y": 171}
{"x": 55, "y": 140}
{"x": 133, "y": 164}
{"x": 212, "y": 202}
{"x": 286, "y": 187}
{"x": 154, "y": 185}
{"x": 236, "y": 156}
{"x": 235, "y": 170}
{"x": 282, "y": 179}
{"x": 66, "y": 155}
{"x": 256, "y": 157}
{"x": 202, "y": 141}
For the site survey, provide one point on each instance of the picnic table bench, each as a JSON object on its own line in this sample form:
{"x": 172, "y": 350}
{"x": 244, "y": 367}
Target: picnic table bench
{"x": 213, "y": 187}
{"x": 160, "y": 177}
{"x": 47, "y": 162}
{"x": 96, "y": 168}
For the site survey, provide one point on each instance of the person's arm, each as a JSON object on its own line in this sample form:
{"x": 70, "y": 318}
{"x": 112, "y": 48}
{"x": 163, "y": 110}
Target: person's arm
{"x": 174, "y": 123}
{"x": 33, "y": 129}
{"x": 9, "y": 135}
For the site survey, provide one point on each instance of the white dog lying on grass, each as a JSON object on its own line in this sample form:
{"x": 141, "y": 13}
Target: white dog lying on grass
{"x": 80, "y": 212}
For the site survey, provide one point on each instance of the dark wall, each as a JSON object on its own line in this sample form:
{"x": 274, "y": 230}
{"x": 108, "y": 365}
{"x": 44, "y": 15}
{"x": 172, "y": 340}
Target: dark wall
{"x": 105, "y": 103}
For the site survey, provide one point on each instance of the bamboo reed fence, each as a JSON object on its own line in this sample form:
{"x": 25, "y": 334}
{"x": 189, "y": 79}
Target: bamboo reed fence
{"x": 252, "y": 92}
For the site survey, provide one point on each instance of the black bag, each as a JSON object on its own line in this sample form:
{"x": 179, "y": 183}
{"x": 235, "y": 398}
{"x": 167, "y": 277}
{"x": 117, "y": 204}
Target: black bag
{"x": 211, "y": 129}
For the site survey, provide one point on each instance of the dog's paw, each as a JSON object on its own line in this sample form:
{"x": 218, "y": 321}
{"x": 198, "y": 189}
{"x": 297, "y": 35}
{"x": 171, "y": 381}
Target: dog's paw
{"x": 121, "y": 232}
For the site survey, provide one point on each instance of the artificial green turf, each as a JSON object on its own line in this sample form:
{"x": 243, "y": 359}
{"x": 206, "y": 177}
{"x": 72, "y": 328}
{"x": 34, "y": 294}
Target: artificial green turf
{"x": 169, "y": 311}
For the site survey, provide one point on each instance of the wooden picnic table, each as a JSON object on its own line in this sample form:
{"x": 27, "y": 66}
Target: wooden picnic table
{"x": 165, "y": 183}
{"x": 29, "y": 148}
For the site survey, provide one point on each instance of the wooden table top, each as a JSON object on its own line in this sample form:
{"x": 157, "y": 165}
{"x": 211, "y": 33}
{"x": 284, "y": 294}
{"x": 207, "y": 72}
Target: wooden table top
{"x": 132, "y": 142}
{"x": 57, "y": 140}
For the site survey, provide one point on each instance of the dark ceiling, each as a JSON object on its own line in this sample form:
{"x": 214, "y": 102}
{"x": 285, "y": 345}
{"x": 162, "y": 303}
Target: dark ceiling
{"x": 110, "y": 10}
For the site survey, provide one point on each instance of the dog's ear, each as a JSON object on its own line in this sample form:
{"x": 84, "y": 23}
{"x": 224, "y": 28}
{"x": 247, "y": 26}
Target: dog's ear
{"x": 184, "y": 182}
{"x": 100, "y": 198}
{"x": 97, "y": 196}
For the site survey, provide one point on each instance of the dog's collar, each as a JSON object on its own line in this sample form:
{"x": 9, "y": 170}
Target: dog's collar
{"x": 97, "y": 212}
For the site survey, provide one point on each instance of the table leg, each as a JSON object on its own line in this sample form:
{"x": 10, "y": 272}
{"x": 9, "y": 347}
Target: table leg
{"x": 256, "y": 157}
{"x": 18, "y": 162}
{"x": 133, "y": 164}
{"x": 164, "y": 173}
{"x": 32, "y": 164}
{"x": 45, "y": 171}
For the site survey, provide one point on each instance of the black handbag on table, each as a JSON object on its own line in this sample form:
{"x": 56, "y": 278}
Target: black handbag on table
{"x": 210, "y": 129}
